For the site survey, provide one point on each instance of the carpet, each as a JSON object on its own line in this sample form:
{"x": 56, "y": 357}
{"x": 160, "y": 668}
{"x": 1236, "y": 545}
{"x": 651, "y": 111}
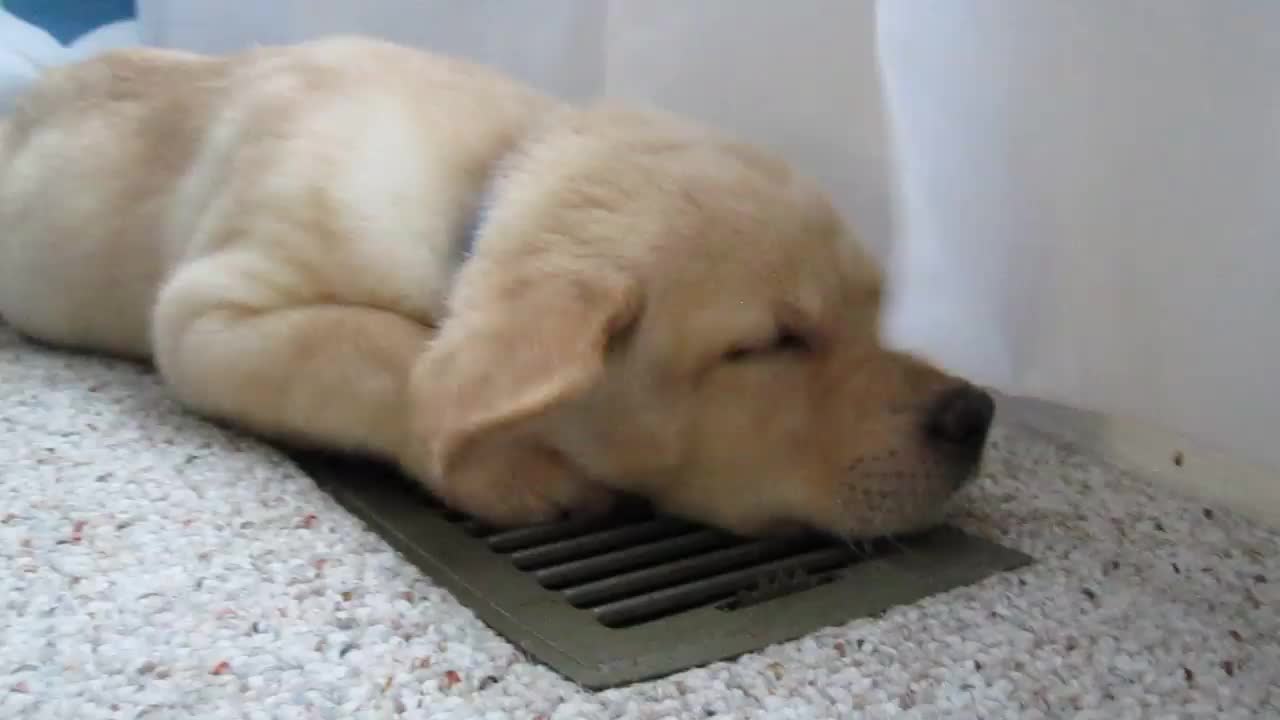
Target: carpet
{"x": 153, "y": 565}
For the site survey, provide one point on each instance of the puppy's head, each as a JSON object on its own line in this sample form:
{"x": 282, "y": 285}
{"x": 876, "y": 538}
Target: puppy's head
{"x": 679, "y": 316}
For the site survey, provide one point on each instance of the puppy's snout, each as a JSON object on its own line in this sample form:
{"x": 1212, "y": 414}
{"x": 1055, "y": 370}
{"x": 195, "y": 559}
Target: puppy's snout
{"x": 961, "y": 418}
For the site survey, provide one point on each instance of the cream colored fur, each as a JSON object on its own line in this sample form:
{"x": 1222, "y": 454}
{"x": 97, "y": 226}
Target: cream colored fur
{"x": 651, "y": 308}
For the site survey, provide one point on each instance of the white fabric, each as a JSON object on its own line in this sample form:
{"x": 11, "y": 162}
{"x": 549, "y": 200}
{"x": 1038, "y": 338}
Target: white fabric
{"x": 1096, "y": 182}
{"x": 26, "y": 50}
{"x": 1076, "y": 199}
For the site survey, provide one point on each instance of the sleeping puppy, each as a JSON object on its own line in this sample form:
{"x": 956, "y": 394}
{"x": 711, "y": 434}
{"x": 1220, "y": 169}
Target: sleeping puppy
{"x": 531, "y": 307}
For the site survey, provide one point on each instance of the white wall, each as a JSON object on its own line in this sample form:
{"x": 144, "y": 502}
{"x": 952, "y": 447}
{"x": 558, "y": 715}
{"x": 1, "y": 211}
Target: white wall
{"x": 1100, "y": 182}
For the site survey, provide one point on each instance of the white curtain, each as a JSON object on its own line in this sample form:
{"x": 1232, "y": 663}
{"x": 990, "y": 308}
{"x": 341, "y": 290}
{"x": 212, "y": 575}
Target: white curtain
{"x": 1076, "y": 200}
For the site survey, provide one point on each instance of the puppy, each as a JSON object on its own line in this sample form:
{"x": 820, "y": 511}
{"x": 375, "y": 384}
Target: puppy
{"x": 531, "y": 307}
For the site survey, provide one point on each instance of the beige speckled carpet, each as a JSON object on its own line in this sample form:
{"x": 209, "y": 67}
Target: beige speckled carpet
{"x": 154, "y": 566}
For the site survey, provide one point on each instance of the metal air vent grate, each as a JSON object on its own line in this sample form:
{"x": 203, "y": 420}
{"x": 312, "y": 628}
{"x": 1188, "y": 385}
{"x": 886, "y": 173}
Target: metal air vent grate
{"x": 631, "y": 596}
{"x": 635, "y": 567}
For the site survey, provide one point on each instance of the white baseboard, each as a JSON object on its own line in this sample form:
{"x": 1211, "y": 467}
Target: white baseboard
{"x": 1189, "y": 466}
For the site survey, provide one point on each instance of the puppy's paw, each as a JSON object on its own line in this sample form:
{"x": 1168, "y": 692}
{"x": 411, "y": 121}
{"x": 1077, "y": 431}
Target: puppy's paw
{"x": 511, "y": 487}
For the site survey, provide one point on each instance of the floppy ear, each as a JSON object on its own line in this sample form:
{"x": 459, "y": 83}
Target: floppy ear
{"x": 510, "y": 357}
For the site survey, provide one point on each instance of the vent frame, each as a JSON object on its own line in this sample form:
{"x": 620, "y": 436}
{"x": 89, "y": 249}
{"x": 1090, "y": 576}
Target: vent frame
{"x": 573, "y": 642}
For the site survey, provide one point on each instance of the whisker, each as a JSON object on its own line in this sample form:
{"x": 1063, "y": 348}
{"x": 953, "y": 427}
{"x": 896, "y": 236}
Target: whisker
{"x": 860, "y": 552}
{"x": 904, "y": 548}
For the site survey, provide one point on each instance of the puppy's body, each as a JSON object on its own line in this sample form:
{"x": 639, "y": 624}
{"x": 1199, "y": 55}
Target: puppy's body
{"x": 337, "y": 174}
{"x": 644, "y": 307}
{"x": 348, "y": 165}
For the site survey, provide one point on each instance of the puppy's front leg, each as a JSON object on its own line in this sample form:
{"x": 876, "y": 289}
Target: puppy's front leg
{"x": 335, "y": 376}
{"x": 511, "y": 484}
{"x": 331, "y": 375}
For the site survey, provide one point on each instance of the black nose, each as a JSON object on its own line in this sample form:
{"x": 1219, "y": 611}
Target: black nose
{"x": 961, "y": 418}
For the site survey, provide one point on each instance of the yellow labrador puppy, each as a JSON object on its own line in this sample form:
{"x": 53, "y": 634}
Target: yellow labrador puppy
{"x": 529, "y": 306}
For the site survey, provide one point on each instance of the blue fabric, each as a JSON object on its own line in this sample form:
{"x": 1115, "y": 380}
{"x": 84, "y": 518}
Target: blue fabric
{"x": 67, "y": 20}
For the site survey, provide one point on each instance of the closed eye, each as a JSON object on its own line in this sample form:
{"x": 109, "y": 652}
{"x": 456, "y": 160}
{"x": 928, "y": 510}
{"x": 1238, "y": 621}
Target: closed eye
{"x": 786, "y": 342}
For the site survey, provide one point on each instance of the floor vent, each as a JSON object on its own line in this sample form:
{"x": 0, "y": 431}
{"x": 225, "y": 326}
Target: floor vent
{"x": 633, "y": 596}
